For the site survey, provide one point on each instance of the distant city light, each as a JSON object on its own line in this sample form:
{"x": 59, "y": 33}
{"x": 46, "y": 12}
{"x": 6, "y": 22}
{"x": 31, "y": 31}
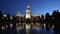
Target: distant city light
{"x": 6, "y": 26}
{"x": 2, "y": 27}
{"x": 44, "y": 25}
{"x": 5, "y": 15}
{"x": 53, "y": 26}
{"x": 11, "y": 17}
{"x": 11, "y": 25}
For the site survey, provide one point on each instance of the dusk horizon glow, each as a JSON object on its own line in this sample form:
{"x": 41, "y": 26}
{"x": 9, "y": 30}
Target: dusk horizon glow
{"x": 43, "y": 6}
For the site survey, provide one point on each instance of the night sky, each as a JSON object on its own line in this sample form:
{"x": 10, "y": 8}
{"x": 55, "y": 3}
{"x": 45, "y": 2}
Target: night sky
{"x": 43, "y": 6}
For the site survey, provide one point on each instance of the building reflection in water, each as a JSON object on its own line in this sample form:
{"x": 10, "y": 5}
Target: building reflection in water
{"x": 44, "y": 25}
{"x": 3, "y": 27}
{"x": 11, "y": 25}
{"x": 28, "y": 24}
{"x": 6, "y": 26}
{"x": 53, "y": 26}
{"x": 31, "y": 28}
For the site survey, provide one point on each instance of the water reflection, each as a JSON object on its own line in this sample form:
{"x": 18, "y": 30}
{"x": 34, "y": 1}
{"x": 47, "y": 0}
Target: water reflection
{"x": 53, "y": 26}
{"x": 41, "y": 30}
{"x": 30, "y": 28}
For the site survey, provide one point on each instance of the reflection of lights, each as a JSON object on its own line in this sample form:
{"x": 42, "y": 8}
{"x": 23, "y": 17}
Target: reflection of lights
{"x": 11, "y": 25}
{"x": 28, "y": 16}
{"x": 39, "y": 24}
{"x": 32, "y": 24}
{"x": 53, "y": 26}
{"x": 16, "y": 24}
{"x": 37, "y": 28}
{"x": 28, "y": 26}
{"x": 6, "y": 26}
{"x": 44, "y": 25}
{"x": 18, "y": 29}
{"x": 2, "y": 27}
{"x": 19, "y": 20}
{"x": 23, "y": 24}
{"x": 19, "y": 23}
{"x": 48, "y": 25}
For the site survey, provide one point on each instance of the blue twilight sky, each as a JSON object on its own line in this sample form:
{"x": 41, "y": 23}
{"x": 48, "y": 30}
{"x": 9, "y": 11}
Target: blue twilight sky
{"x": 43, "y": 6}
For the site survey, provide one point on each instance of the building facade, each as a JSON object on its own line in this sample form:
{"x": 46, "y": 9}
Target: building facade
{"x": 28, "y": 17}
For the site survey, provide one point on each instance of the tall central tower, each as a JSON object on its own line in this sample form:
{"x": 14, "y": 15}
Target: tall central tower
{"x": 28, "y": 13}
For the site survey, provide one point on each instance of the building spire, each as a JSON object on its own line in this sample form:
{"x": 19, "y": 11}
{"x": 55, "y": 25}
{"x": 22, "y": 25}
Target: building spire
{"x": 18, "y": 13}
{"x": 28, "y": 5}
{"x": 28, "y": 13}
{"x": 37, "y": 14}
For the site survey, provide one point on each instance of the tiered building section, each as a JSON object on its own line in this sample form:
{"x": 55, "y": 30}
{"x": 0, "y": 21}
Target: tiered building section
{"x": 28, "y": 17}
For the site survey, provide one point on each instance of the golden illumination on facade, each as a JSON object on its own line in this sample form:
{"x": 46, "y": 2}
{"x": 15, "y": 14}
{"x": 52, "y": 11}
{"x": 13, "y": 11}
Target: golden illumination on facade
{"x": 11, "y": 25}
{"x": 37, "y": 24}
{"x": 23, "y": 24}
{"x": 32, "y": 24}
{"x": 16, "y": 24}
{"x": 48, "y": 25}
{"x": 28, "y": 13}
{"x": 28, "y": 26}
